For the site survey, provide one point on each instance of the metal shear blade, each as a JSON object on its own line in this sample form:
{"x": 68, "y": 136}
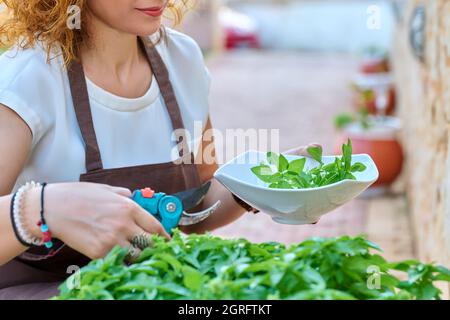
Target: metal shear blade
{"x": 193, "y": 197}
{"x": 188, "y": 219}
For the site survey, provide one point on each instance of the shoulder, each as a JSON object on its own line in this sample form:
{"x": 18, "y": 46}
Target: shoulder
{"x": 181, "y": 51}
{"x": 182, "y": 43}
{"x": 24, "y": 65}
{"x": 188, "y": 73}
{"x": 17, "y": 61}
{"x": 185, "y": 60}
{"x": 27, "y": 78}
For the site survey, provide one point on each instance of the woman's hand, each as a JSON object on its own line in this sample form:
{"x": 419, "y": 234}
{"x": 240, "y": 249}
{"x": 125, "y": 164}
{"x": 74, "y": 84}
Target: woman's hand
{"x": 302, "y": 151}
{"x": 94, "y": 218}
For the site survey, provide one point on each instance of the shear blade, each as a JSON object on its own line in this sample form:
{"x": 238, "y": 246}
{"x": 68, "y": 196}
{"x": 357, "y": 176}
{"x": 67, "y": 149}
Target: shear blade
{"x": 193, "y": 197}
{"x": 188, "y": 219}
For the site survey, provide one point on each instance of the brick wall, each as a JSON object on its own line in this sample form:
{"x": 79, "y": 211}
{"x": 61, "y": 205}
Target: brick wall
{"x": 424, "y": 90}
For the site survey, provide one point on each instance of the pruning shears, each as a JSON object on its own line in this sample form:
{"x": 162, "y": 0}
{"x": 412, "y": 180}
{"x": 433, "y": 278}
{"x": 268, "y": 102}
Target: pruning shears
{"x": 171, "y": 210}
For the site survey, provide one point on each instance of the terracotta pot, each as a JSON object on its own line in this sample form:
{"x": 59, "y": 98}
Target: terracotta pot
{"x": 381, "y": 143}
{"x": 371, "y": 65}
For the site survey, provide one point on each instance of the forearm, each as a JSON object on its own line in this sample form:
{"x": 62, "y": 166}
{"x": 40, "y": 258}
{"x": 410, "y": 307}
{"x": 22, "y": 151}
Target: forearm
{"x": 228, "y": 212}
{"x": 10, "y": 247}
{"x": 15, "y": 146}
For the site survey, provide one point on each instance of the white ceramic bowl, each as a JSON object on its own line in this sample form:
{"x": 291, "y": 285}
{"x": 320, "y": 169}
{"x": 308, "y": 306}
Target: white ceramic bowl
{"x": 302, "y": 206}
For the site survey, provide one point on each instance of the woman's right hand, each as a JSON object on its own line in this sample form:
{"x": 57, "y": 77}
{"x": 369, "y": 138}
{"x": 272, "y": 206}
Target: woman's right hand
{"x": 93, "y": 218}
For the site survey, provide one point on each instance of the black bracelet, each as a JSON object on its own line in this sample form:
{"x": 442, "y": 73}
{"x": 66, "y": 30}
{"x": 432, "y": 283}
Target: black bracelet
{"x": 46, "y": 233}
{"x": 244, "y": 204}
{"x": 13, "y": 222}
{"x": 42, "y": 203}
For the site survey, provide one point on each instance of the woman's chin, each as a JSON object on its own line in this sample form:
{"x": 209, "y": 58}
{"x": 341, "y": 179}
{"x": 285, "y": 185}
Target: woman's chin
{"x": 147, "y": 31}
{"x": 147, "y": 28}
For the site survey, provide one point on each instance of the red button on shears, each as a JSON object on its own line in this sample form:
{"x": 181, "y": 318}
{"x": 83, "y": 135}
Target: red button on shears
{"x": 148, "y": 193}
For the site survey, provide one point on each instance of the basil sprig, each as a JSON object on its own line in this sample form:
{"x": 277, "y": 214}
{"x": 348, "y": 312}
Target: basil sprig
{"x": 279, "y": 173}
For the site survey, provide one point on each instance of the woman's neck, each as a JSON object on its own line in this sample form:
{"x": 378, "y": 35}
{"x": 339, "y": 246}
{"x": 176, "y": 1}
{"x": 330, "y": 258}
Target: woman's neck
{"x": 117, "y": 55}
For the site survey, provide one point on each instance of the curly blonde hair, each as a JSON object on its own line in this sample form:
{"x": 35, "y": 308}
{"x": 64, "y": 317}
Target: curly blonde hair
{"x": 26, "y": 22}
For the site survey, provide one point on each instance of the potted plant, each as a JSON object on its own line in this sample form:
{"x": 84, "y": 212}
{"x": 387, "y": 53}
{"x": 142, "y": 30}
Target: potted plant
{"x": 376, "y": 136}
{"x": 373, "y": 86}
{"x": 374, "y": 60}
{"x": 374, "y": 93}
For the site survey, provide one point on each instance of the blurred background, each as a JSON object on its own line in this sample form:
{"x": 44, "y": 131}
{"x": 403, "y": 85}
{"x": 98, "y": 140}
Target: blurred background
{"x": 377, "y": 71}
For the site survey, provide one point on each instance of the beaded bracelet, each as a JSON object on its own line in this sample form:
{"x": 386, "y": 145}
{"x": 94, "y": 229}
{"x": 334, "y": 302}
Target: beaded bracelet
{"x": 14, "y": 224}
{"x": 17, "y": 206}
{"x": 47, "y": 235}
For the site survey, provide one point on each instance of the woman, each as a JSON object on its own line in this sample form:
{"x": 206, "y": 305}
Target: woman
{"x": 91, "y": 111}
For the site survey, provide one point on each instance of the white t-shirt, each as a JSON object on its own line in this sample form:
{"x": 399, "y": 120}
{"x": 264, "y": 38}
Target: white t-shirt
{"x": 130, "y": 132}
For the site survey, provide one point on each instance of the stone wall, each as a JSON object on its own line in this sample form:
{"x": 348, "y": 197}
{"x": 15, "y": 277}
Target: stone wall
{"x": 424, "y": 89}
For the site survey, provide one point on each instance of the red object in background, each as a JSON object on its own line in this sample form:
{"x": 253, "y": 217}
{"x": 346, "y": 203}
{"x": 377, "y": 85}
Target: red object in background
{"x": 387, "y": 155}
{"x": 371, "y": 65}
{"x": 240, "y": 30}
{"x": 237, "y": 39}
{"x": 381, "y": 143}
{"x": 366, "y": 100}
{"x": 372, "y": 88}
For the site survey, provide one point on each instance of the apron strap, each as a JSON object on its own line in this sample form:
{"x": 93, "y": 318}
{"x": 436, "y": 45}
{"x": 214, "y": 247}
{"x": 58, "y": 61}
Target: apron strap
{"x": 83, "y": 112}
{"x": 162, "y": 77}
{"x": 82, "y": 108}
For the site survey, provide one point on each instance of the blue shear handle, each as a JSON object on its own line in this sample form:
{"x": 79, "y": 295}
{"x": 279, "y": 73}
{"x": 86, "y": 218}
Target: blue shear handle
{"x": 167, "y": 209}
{"x": 170, "y": 210}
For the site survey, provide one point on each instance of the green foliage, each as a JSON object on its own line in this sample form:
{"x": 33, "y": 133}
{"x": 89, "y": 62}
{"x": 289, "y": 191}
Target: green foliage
{"x": 279, "y": 173}
{"x": 343, "y": 120}
{"x": 208, "y": 267}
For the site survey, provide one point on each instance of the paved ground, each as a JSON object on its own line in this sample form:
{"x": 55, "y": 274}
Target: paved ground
{"x": 299, "y": 93}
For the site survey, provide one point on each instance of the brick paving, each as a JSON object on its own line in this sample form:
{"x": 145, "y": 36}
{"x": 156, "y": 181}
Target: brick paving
{"x": 300, "y": 93}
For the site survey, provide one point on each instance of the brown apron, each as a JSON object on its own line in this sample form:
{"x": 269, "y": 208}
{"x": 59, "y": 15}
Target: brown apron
{"x": 34, "y": 276}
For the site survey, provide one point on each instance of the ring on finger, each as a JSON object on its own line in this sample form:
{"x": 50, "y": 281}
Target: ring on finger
{"x": 133, "y": 253}
{"x": 141, "y": 241}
